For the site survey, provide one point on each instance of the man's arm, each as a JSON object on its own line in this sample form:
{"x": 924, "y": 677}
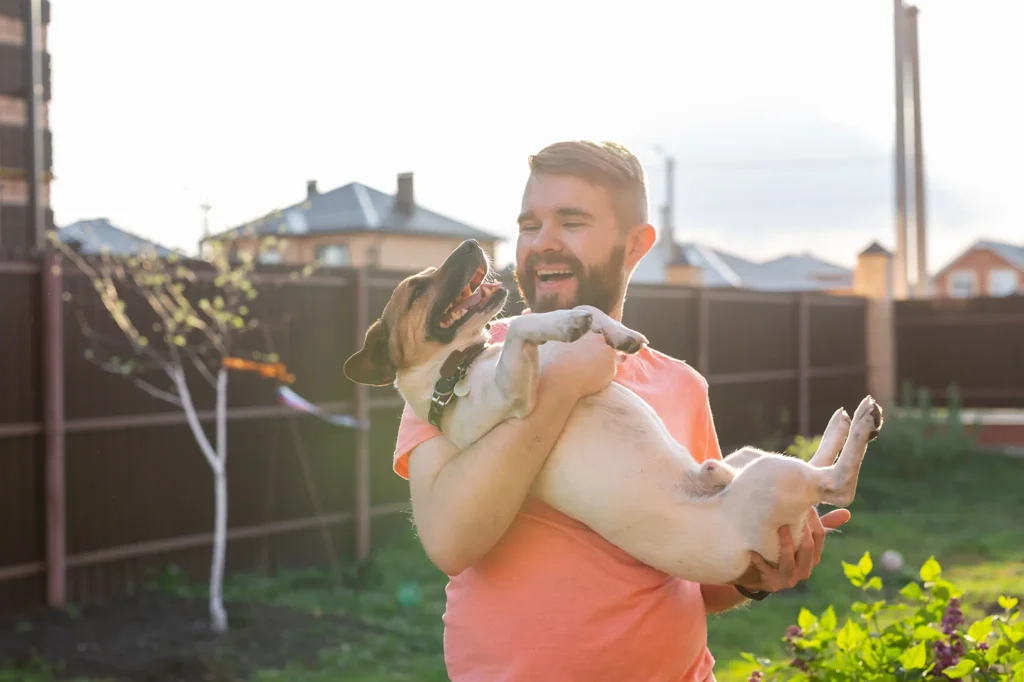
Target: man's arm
{"x": 463, "y": 502}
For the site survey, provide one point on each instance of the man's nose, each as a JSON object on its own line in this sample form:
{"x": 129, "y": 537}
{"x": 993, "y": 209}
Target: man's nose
{"x": 546, "y": 239}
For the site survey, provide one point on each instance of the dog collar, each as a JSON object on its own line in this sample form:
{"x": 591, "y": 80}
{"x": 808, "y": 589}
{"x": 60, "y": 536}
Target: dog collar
{"x": 452, "y": 371}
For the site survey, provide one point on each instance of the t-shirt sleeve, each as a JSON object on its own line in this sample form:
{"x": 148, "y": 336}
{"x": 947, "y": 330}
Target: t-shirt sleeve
{"x": 704, "y": 430}
{"x": 412, "y": 432}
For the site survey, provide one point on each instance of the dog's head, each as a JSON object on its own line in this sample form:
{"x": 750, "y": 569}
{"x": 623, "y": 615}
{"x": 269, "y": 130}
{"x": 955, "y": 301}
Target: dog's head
{"x": 433, "y": 312}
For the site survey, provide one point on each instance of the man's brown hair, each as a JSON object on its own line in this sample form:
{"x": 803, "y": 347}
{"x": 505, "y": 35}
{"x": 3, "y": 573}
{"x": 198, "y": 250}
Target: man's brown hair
{"x": 606, "y": 164}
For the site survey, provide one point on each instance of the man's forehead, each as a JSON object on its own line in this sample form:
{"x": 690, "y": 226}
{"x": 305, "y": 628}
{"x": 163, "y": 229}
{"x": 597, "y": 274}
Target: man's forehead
{"x": 564, "y": 194}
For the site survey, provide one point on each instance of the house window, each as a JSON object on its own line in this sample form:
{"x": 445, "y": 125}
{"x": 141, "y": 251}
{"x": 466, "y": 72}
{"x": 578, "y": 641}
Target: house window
{"x": 962, "y": 284}
{"x": 333, "y": 255}
{"x": 271, "y": 257}
{"x": 1002, "y": 282}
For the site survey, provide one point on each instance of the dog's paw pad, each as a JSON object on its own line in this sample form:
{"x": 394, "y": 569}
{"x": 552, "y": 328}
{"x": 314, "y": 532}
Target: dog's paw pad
{"x": 578, "y": 325}
{"x": 631, "y": 344}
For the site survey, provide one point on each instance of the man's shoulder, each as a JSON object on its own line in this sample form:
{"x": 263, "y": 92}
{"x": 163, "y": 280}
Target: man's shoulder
{"x": 680, "y": 370}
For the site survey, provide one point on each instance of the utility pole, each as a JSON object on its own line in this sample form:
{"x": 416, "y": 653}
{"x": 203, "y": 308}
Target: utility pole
{"x": 900, "y": 259}
{"x": 34, "y": 131}
{"x": 205, "y": 208}
{"x": 921, "y": 288}
{"x": 667, "y": 233}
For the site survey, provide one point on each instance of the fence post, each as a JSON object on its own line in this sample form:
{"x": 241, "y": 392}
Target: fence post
{"x": 804, "y": 366}
{"x": 362, "y": 413}
{"x": 703, "y": 331}
{"x": 53, "y": 427}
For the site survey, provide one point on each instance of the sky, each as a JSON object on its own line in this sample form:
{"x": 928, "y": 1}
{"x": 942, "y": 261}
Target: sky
{"x": 780, "y": 115}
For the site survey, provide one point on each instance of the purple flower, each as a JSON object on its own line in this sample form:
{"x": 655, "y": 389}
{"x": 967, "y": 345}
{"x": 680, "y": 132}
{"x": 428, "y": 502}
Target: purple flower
{"x": 793, "y": 631}
{"x": 953, "y": 617}
{"x": 799, "y": 663}
{"x": 755, "y": 676}
{"x": 983, "y": 646}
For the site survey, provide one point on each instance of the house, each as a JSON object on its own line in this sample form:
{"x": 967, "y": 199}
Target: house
{"x": 696, "y": 264}
{"x": 986, "y": 268}
{"x": 93, "y": 236}
{"x": 356, "y": 225}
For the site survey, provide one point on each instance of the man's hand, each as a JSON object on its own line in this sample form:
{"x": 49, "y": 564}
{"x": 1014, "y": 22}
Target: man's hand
{"x": 796, "y": 566}
{"x": 580, "y": 368}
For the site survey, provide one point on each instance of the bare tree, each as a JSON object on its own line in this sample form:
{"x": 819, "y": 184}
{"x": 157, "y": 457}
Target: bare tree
{"x": 166, "y": 326}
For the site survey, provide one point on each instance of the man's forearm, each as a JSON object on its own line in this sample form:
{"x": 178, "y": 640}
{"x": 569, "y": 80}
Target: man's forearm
{"x": 719, "y": 598}
{"x": 476, "y": 494}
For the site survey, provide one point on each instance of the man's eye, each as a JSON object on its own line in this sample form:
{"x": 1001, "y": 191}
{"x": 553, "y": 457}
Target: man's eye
{"x": 573, "y": 224}
{"x": 528, "y": 228}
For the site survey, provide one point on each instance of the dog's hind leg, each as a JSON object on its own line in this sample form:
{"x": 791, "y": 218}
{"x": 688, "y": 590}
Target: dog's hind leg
{"x": 840, "y": 482}
{"x": 836, "y": 433}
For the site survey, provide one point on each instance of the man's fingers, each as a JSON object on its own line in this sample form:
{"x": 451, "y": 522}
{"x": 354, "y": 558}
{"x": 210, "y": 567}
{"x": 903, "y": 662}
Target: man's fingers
{"x": 787, "y": 556}
{"x": 816, "y": 531}
{"x": 835, "y": 518}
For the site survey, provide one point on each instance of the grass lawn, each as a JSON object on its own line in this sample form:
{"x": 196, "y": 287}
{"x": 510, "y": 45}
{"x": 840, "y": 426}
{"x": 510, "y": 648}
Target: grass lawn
{"x": 967, "y": 514}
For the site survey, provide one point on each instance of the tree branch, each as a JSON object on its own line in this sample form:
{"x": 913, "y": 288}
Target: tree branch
{"x": 177, "y": 375}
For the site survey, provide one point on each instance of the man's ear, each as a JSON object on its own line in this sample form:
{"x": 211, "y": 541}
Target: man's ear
{"x": 372, "y": 365}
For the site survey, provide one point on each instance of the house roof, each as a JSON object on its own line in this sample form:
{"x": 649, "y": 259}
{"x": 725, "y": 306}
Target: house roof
{"x": 874, "y": 248}
{"x": 98, "y": 233}
{"x": 1011, "y": 253}
{"x": 795, "y": 272}
{"x": 356, "y": 207}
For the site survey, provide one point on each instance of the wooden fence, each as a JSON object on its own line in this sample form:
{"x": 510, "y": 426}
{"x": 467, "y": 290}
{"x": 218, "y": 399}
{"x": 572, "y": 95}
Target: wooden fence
{"x": 101, "y": 484}
{"x": 976, "y": 345}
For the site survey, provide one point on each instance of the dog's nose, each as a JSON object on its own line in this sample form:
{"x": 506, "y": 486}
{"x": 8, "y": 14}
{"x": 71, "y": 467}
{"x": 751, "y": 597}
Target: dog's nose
{"x": 469, "y": 245}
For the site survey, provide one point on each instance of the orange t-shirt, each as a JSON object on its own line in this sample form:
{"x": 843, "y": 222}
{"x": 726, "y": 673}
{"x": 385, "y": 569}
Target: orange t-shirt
{"x": 553, "y": 601}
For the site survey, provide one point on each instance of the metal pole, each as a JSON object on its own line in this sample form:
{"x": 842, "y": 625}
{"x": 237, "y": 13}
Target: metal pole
{"x": 900, "y": 154}
{"x": 53, "y": 428}
{"x": 36, "y": 234}
{"x": 921, "y": 288}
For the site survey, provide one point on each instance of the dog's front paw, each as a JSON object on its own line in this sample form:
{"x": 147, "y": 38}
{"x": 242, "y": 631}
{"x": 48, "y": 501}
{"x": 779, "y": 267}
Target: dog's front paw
{"x": 575, "y": 324}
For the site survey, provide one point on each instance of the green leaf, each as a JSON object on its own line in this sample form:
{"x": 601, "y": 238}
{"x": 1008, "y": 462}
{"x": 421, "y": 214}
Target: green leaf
{"x": 915, "y": 657}
{"x": 1007, "y": 603}
{"x": 806, "y": 619}
{"x": 828, "y": 619}
{"x": 965, "y": 666}
{"x": 931, "y": 570}
{"x": 980, "y": 630}
{"x": 874, "y": 584}
{"x": 865, "y": 565}
{"x": 926, "y": 633}
{"x": 912, "y": 591}
{"x": 850, "y": 637}
{"x": 853, "y": 574}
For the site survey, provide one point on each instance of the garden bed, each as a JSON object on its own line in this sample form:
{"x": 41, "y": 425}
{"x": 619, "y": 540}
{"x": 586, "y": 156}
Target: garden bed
{"x": 163, "y": 638}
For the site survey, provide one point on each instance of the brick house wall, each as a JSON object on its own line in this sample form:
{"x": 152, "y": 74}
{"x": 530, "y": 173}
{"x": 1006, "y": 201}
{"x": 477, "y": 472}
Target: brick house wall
{"x": 980, "y": 263}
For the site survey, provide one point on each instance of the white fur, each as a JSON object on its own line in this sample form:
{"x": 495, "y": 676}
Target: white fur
{"x": 617, "y": 469}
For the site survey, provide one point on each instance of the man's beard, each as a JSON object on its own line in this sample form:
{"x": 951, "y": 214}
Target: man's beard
{"x": 600, "y": 286}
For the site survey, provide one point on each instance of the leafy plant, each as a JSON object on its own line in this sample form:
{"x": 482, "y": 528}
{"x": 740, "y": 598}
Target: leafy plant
{"x": 804, "y": 448}
{"x": 921, "y": 634}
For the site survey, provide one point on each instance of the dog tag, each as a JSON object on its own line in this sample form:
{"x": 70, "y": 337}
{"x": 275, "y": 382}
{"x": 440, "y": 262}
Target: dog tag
{"x": 462, "y": 388}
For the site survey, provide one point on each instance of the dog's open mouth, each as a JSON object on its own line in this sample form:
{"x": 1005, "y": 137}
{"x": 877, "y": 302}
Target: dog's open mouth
{"x": 473, "y": 296}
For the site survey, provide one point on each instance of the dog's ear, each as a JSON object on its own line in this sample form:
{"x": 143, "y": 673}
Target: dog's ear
{"x": 372, "y": 365}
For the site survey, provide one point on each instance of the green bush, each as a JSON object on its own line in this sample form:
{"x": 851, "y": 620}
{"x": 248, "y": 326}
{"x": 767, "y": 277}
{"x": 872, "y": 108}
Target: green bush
{"x": 916, "y": 436}
{"x": 921, "y": 634}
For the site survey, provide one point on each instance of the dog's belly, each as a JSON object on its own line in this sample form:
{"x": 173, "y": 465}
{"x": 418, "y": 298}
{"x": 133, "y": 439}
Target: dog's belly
{"x": 617, "y": 469}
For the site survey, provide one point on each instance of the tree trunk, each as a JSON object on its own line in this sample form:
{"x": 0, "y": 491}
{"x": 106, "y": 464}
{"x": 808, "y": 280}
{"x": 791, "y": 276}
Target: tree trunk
{"x": 218, "y": 616}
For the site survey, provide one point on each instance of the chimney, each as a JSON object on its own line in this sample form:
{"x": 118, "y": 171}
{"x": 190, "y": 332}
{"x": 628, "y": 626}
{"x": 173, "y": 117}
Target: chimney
{"x": 311, "y": 189}
{"x": 404, "y": 201}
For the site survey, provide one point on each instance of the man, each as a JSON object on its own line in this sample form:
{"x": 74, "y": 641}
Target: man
{"x": 533, "y": 595}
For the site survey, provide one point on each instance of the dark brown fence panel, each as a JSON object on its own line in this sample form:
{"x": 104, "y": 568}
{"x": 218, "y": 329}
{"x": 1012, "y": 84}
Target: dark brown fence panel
{"x": 975, "y": 344}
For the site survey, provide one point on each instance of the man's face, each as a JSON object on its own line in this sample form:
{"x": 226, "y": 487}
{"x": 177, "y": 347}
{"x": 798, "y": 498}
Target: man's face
{"x": 571, "y": 250}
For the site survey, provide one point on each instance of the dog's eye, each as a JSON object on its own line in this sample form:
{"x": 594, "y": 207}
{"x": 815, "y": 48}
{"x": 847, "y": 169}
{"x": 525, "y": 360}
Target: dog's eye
{"x": 416, "y": 290}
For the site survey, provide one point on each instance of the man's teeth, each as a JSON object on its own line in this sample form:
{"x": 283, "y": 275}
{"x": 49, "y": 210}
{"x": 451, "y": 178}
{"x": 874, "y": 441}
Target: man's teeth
{"x": 553, "y": 271}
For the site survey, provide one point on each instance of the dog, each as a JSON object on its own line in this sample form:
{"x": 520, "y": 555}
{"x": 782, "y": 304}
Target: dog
{"x": 615, "y": 467}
